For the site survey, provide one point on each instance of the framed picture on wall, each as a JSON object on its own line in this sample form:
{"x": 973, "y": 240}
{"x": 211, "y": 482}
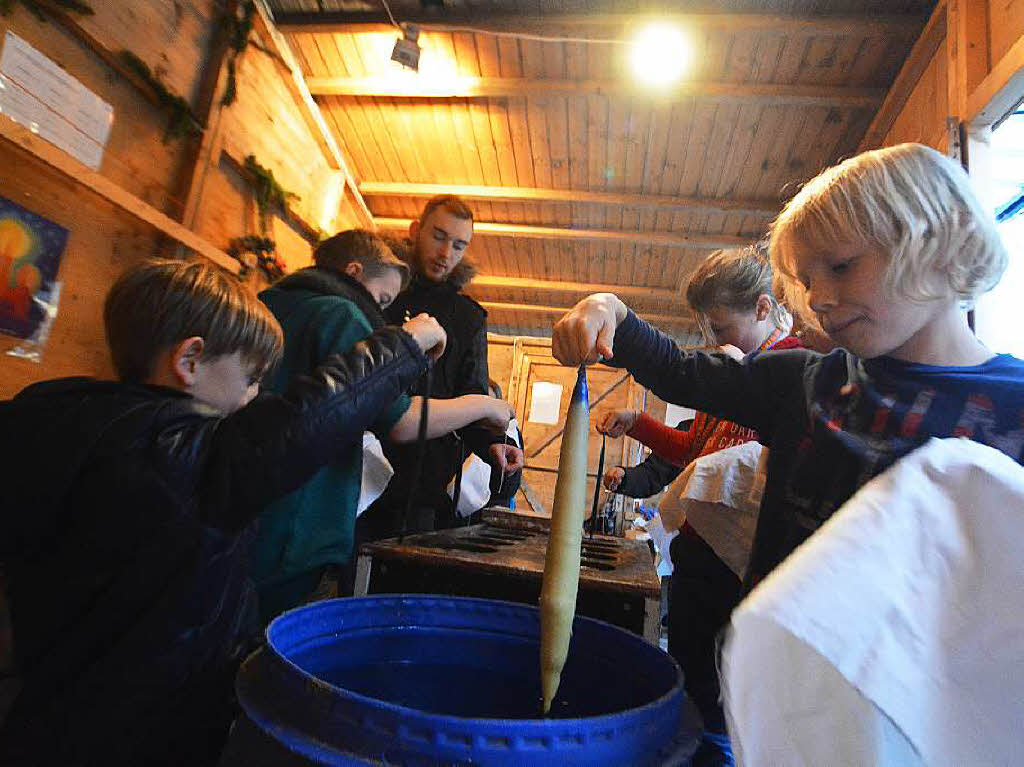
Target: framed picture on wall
{"x": 31, "y": 248}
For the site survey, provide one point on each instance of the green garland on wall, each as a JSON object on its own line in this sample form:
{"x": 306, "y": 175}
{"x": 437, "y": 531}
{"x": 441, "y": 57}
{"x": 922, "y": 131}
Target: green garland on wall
{"x": 39, "y": 9}
{"x": 237, "y": 29}
{"x": 266, "y": 188}
{"x": 181, "y": 120}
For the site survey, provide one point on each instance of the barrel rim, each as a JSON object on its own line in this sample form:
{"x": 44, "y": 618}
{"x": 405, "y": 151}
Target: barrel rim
{"x": 675, "y": 690}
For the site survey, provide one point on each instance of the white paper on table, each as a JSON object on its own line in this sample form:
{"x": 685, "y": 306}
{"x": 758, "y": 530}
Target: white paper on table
{"x": 676, "y": 413}
{"x": 545, "y": 402}
{"x": 37, "y": 93}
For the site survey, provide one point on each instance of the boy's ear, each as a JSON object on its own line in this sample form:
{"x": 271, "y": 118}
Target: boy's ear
{"x": 764, "y": 307}
{"x": 354, "y": 269}
{"x": 185, "y": 358}
{"x": 414, "y": 229}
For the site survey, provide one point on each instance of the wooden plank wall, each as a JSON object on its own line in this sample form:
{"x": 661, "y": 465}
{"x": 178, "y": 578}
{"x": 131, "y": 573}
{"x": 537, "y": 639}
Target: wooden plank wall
{"x": 500, "y": 359}
{"x": 982, "y": 40}
{"x": 1005, "y": 26}
{"x": 173, "y": 37}
{"x": 266, "y": 122}
{"x": 923, "y": 119}
{"x": 102, "y": 239}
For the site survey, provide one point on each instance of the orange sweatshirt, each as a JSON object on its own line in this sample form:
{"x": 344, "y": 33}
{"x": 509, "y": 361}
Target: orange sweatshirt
{"x": 707, "y": 434}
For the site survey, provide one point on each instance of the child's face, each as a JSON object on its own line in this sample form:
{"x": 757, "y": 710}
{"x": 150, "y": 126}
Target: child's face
{"x": 739, "y": 328}
{"x": 225, "y": 383}
{"x": 383, "y": 287}
{"x": 846, "y": 289}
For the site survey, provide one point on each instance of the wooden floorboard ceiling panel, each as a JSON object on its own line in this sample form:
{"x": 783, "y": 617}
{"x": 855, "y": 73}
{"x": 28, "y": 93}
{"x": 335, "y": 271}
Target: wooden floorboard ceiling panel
{"x": 579, "y": 178}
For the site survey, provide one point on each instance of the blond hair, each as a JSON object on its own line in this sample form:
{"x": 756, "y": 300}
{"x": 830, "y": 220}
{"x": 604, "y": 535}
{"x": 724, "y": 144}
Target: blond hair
{"x": 158, "y": 303}
{"x": 735, "y": 279}
{"x": 910, "y": 202}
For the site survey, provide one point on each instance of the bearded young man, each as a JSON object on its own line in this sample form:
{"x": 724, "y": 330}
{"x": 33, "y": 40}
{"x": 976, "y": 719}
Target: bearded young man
{"x": 439, "y": 240}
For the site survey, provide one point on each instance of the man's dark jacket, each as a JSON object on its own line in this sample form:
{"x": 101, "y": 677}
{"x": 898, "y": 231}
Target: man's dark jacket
{"x": 462, "y": 369}
{"x": 123, "y": 532}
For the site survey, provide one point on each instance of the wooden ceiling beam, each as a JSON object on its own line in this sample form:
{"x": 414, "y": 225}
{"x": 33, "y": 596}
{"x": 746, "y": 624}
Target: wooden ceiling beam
{"x": 605, "y": 25}
{"x": 662, "y": 203}
{"x": 295, "y": 83}
{"x": 664, "y": 239}
{"x": 676, "y": 320}
{"x": 764, "y": 94}
{"x": 490, "y": 281}
{"x": 932, "y": 36}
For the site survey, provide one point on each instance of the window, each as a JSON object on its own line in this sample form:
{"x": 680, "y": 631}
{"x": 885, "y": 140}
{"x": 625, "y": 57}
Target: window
{"x": 999, "y": 317}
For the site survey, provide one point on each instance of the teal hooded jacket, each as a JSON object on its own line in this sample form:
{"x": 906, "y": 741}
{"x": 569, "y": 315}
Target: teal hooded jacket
{"x": 322, "y": 313}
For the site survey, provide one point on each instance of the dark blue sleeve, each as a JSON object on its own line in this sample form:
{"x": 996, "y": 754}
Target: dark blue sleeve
{"x": 648, "y": 477}
{"x": 751, "y": 393}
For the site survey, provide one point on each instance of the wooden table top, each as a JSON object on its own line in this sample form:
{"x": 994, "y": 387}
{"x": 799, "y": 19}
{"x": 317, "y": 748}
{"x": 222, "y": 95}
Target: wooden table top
{"x": 517, "y": 547}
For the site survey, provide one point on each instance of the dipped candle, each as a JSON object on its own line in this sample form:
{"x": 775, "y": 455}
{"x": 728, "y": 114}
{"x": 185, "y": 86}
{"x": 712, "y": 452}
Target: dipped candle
{"x": 562, "y": 560}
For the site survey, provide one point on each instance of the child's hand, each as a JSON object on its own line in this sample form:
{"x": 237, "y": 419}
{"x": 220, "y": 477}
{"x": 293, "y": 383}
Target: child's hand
{"x": 428, "y": 334}
{"x": 508, "y": 458}
{"x": 617, "y": 422}
{"x": 613, "y": 478}
{"x": 586, "y": 332}
{"x": 496, "y": 413}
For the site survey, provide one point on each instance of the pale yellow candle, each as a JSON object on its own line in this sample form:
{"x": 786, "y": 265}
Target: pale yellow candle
{"x": 562, "y": 562}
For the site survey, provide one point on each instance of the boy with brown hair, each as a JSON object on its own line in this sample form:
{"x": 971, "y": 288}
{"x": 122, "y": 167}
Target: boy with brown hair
{"x": 308, "y": 535}
{"x": 126, "y": 504}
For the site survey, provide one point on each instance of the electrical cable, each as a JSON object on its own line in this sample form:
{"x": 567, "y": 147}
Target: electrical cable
{"x": 528, "y": 36}
{"x": 597, "y": 486}
{"x": 421, "y": 451}
{"x": 513, "y": 35}
{"x": 390, "y": 14}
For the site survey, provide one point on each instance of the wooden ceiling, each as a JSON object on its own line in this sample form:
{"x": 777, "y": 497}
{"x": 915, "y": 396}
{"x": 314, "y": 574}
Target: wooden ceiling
{"x": 580, "y": 179}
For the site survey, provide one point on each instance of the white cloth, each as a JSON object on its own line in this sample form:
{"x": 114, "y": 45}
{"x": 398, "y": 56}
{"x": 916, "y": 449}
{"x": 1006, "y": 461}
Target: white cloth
{"x": 662, "y": 539}
{"x": 720, "y": 496}
{"x": 377, "y": 472}
{"x": 476, "y": 478}
{"x": 895, "y": 634}
{"x": 476, "y": 486}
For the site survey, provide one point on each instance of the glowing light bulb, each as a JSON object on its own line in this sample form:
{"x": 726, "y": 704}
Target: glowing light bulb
{"x": 660, "y": 54}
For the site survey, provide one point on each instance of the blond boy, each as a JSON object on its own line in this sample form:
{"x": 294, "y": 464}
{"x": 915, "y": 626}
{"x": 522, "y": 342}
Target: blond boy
{"x": 886, "y": 249}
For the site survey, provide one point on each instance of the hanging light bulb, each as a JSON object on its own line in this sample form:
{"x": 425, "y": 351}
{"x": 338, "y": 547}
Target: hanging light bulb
{"x": 660, "y": 54}
{"x": 407, "y": 51}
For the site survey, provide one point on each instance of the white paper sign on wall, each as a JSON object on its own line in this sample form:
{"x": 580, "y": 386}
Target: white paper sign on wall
{"x": 37, "y": 93}
{"x": 546, "y": 399}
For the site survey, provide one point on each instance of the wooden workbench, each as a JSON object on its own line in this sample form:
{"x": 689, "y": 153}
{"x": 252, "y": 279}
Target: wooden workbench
{"x": 503, "y": 558}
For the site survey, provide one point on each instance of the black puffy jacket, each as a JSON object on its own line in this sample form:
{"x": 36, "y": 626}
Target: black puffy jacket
{"x": 462, "y": 369}
{"x": 123, "y": 529}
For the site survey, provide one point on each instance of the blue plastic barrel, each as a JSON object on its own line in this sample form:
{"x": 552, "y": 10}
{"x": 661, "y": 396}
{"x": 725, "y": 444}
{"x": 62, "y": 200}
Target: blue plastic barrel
{"x": 423, "y": 679}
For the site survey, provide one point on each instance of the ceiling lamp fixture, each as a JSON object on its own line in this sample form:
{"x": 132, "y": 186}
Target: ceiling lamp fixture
{"x": 407, "y": 51}
{"x": 660, "y": 55}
